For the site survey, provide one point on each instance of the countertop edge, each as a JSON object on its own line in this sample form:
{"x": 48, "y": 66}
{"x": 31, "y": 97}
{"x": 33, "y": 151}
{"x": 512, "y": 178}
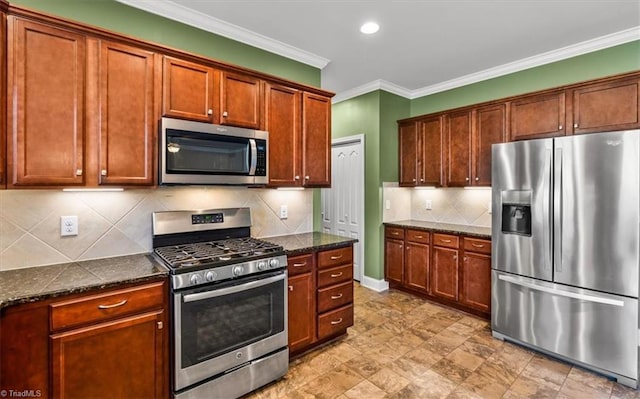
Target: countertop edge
{"x": 444, "y": 228}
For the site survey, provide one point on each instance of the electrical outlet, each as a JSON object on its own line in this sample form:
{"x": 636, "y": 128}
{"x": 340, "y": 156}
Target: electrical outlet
{"x": 284, "y": 212}
{"x": 387, "y": 204}
{"x": 428, "y": 205}
{"x": 68, "y": 226}
{"x": 489, "y": 207}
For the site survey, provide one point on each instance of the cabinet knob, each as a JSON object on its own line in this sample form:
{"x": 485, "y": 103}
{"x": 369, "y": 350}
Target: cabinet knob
{"x": 575, "y": 125}
{"x": 560, "y": 127}
{"x": 291, "y": 288}
{"x": 103, "y": 172}
{"x": 306, "y": 177}
{"x": 78, "y": 172}
{"x": 466, "y": 178}
{"x": 414, "y": 179}
{"x": 225, "y": 114}
{"x": 464, "y": 259}
{"x": 477, "y": 178}
{"x": 210, "y": 112}
{"x": 421, "y": 180}
{"x": 455, "y": 257}
{"x": 297, "y": 177}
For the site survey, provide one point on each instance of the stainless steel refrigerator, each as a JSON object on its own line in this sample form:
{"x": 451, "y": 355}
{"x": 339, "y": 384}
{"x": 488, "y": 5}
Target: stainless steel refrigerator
{"x": 565, "y": 231}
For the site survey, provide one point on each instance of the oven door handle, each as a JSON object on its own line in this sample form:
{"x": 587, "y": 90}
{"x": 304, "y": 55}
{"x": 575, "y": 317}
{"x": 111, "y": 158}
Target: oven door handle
{"x": 232, "y": 290}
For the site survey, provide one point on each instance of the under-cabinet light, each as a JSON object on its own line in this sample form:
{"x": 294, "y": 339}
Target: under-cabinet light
{"x": 290, "y": 188}
{"x": 424, "y": 188}
{"x": 93, "y": 190}
{"x": 476, "y": 188}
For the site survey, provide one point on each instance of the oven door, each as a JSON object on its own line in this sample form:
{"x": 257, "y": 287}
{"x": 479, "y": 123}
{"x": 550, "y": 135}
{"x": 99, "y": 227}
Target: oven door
{"x": 219, "y": 327}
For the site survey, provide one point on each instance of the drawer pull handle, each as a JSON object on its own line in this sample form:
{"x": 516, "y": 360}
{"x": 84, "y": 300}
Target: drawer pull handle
{"x": 477, "y": 245}
{"x": 395, "y": 233}
{"x": 299, "y": 264}
{"x": 445, "y": 240}
{"x": 419, "y": 237}
{"x": 334, "y": 322}
{"x": 291, "y": 288}
{"x": 336, "y": 257}
{"x": 334, "y": 297}
{"x": 115, "y": 305}
{"x": 336, "y": 275}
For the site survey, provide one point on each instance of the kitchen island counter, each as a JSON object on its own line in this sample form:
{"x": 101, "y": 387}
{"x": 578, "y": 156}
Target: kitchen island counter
{"x": 39, "y": 283}
{"x": 307, "y": 242}
{"x": 447, "y": 228}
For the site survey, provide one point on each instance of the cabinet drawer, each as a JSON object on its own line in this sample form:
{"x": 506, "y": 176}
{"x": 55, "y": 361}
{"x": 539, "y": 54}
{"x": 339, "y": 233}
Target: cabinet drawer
{"x": 418, "y": 236}
{"x": 335, "y": 296}
{"x": 445, "y": 240}
{"x": 299, "y": 264}
{"x": 476, "y": 245}
{"x": 94, "y": 308}
{"x": 335, "y": 275}
{"x": 394, "y": 232}
{"x": 335, "y": 321}
{"x": 335, "y": 257}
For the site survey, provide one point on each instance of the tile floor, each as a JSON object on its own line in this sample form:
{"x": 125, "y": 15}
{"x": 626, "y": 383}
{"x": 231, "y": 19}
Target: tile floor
{"x": 402, "y": 346}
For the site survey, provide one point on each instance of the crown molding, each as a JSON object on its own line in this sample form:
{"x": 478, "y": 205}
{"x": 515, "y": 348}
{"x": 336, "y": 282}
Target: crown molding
{"x": 601, "y": 43}
{"x": 179, "y": 13}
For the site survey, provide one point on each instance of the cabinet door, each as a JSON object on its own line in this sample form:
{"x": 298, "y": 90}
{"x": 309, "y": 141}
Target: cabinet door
{"x": 458, "y": 154}
{"x": 118, "y": 359}
{"x": 490, "y": 128}
{"x": 241, "y": 100}
{"x": 408, "y": 153}
{"x": 283, "y": 121}
{"x": 188, "y": 91}
{"x": 316, "y": 139}
{"x": 416, "y": 266}
{"x": 394, "y": 260}
{"x": 444, "y": 273}
{"x": 430, "y": 135}
{"x": 301, "y": 311}
{"x": 538, "y": 116}
{"x": 127, "y": 118}
{"x": 606, "y": 107}
{"x": 476, "y": 281}
{"x": 3, "y": 101}
{"x": 46, "y": 82}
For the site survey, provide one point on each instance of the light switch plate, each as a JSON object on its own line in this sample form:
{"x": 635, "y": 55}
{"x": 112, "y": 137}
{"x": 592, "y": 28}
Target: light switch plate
{"x": 428, "y": 205}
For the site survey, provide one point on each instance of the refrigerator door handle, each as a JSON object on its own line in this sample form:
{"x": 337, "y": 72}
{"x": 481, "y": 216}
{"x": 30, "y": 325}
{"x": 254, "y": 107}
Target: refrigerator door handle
{"x": 553, "y": 291}
{"x": 546, "y": 217}
{"x": 557, "y": 211}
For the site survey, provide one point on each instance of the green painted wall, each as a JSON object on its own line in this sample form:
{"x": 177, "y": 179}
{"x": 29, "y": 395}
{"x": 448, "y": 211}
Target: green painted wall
{"x": 114, "y": 16}
{"x": 611, "y": 61}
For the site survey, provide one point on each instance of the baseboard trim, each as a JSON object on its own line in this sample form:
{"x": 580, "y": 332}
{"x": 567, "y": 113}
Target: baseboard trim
{"x": 374, "y": 284}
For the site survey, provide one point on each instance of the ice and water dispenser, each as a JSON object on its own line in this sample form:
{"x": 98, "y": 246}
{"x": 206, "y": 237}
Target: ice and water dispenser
{"x": 516, "y": 212}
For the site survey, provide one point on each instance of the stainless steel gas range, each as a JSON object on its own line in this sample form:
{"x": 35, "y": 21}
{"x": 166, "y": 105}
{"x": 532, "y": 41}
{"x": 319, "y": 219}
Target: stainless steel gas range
{"x": 228, "y": 299}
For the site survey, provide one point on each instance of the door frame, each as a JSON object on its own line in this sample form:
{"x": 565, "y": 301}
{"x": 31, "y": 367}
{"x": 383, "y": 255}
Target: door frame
{"x": 358, "y": 139}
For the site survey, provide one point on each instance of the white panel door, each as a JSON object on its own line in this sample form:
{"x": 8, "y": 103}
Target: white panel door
{"x": 343, "y": 203}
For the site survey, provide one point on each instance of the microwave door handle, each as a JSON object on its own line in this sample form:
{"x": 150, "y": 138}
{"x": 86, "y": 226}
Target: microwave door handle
{"x": 254, "y": 157}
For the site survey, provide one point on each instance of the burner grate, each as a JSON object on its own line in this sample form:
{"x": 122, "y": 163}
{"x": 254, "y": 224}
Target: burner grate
{"x": 212, "y": 252}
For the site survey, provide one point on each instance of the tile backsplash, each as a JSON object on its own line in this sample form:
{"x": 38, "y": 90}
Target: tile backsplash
{"x": 119, "y": 223}
{"x": 448, "y": 205}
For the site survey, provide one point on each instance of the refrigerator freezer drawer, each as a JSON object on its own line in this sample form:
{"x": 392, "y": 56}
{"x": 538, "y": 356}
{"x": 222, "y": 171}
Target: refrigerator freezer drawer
{"x": 600, "y": 330}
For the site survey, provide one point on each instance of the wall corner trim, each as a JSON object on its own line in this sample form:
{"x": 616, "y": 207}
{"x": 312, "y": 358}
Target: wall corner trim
{"x": 374, "y": 284}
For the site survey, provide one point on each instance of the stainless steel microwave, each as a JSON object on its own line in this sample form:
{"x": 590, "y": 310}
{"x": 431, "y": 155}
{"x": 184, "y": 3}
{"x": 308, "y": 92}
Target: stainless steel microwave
{"x": 204, "y": 153}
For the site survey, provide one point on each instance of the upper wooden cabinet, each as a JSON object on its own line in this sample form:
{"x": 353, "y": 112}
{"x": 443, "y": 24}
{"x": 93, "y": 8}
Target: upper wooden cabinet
{"x": 283, "y": 121}
{"x": 420, "y": 145}
{"x": 605, "y": 107}
{"x": 46, "y": 82}
{"x": 316, "y": 140}
{"x": 189, "y": 91}
{"x": 458, "y": 149}
{"x": 127, "y": 118}
{"x": 538, "y": 116}
{"x": 490, "y": 128}
{"x": 241, "y": 100}
{"x": 3, "y": 96}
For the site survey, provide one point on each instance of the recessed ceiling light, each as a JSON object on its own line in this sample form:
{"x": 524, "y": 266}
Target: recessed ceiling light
{"x": 369, "y": 28}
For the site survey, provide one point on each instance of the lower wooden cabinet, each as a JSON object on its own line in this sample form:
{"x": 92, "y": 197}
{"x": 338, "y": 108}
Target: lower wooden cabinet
{"x": 320, "y": 297}
{"x": 113, "y": 344}
{"x": 301, "y": 301}
{"x": 452, "y": 269}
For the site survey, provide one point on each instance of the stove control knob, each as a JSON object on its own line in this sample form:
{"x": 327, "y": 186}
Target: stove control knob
{"x": 262, "y": 265}
{"x": 238, "y": 270}
{"x": 210, "y": 276}
{"x": 274, "y": 262}
{"x": 194, "y": 279}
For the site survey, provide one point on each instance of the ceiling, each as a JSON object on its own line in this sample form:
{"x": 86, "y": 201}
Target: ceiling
{"x": 423, "y": 46}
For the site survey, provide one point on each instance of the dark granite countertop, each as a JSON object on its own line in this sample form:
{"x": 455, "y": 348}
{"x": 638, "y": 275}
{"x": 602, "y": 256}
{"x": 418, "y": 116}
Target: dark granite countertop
{"x": 305, "y": 242}
{"x": 43, "y": 282}
{"x": 474, "y": 231}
